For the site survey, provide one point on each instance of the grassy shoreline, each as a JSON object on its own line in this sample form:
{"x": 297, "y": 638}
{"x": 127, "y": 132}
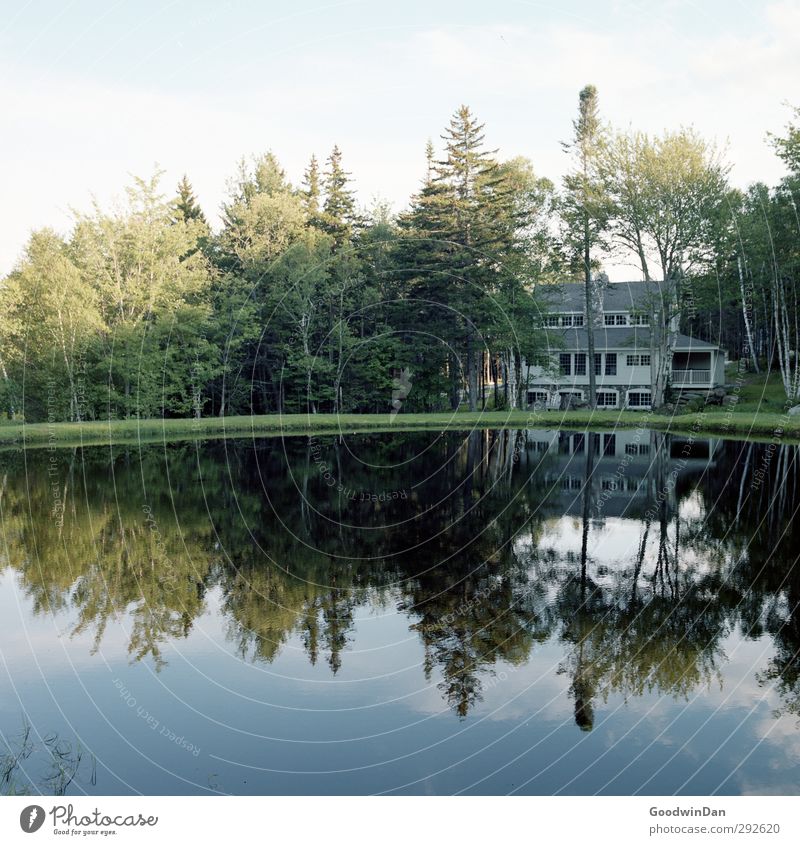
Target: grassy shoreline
{"x": 714, "y": 423}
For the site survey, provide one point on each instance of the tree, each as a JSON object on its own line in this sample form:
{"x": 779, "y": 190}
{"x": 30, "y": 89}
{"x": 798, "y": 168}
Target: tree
{"x": 53, "y": 323}
{"x": 788, "y": 147}
{"x": 338, "y": 211}
{"x": 584, "y": 205}
{"x": 666, "y": 194}
{"x": 142, "y": 266}
{"x": 186, "y": 206}
{"x": 311, "y": 188}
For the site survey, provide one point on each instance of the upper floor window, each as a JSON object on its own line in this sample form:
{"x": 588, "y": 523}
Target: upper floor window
{"x": 580, "y": 364}
{"x": 639, "y": 319}
{"x": 553, "y": 321}
{"x": 611, "y": 363}
{"x": 637, "y": 360}
{"x": 564, "y": 363}
{"x": 615, "y": 319}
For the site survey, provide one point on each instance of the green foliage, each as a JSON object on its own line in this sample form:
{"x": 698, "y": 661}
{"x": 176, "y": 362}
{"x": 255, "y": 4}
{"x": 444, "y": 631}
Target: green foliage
{"x": 301, "y": 302}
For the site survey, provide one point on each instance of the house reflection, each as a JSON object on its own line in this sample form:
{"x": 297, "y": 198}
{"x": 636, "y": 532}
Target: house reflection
{"x": 636, "y": 552}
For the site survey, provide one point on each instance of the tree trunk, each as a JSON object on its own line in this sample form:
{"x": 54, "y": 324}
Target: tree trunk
{"x": 746, "y": 316}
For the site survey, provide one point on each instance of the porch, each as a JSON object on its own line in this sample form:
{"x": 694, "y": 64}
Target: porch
{"x": 695, "y": 369}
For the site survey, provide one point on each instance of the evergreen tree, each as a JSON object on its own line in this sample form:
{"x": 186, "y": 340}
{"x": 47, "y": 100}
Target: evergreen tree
{"x": 584, "y": 207}
{"x": 311, "y": 188}
{"x": 339, "y": 210}
{"x": 186, "y": 206}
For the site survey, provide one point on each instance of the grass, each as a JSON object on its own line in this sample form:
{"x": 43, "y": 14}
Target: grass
{"x": 759, "y": 412}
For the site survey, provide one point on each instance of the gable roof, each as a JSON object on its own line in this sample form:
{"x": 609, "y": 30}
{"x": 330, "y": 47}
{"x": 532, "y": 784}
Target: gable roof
{"x": 617, "y": 296}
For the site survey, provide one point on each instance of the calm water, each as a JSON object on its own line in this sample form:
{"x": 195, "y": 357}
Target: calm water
{"x": 491, "y": 612}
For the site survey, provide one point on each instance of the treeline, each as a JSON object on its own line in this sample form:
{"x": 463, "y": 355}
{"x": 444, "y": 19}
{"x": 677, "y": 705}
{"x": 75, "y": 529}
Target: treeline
{"x": 303, "y": 301}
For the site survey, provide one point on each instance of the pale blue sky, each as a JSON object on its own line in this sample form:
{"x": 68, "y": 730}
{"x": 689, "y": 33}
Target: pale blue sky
{"x": 94, "y": 91}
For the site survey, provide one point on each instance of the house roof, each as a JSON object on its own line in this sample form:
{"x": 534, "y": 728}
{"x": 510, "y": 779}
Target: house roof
{"x": 620, "y": 337}
{"x": 684, "y": 343}
{"x": 617, "y": 296}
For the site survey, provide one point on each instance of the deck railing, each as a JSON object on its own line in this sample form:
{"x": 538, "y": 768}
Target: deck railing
{"x": 684, "y": 377}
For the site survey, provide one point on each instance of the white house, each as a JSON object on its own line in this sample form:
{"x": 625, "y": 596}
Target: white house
{"x": 626, "y": 357}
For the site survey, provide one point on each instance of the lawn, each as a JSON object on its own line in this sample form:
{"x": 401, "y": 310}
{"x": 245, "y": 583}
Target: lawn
{"x": 759, "y": 412}
{"x": 724, "y": 422}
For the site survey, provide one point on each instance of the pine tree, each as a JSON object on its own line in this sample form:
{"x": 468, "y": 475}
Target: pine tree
{"x": 584, "y": 208}
{"x": 311, "y": 187}
{"x": 186, "y": 206}
{"x": 461, "y": 231}
{"x": 478, "y": 223}
{"x": 339, "y": 210}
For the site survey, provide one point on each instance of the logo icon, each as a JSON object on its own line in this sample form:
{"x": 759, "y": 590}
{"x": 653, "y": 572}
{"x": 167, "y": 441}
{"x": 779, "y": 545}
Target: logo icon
{"x": 401, "y": 385}
{"x": 31, "y": 818}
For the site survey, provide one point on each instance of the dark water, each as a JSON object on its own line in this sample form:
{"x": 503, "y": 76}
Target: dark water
{"x": 485, "y": 613}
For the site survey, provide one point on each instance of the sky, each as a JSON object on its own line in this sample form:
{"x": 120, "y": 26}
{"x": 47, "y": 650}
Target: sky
{"x": 93, "y": 92}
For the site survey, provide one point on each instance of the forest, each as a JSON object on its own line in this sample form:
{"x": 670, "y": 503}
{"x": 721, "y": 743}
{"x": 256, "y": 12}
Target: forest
{"x": 304, "y": 300}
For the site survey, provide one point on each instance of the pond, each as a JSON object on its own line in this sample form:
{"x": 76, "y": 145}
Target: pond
{"x": 534, "y": 612}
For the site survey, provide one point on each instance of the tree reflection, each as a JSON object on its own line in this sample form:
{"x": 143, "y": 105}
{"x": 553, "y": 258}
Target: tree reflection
{"x": 289, "y": 556}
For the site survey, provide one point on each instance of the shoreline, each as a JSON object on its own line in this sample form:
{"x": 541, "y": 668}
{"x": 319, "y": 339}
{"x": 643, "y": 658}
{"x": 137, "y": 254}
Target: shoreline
{"x": 727, "y": 424}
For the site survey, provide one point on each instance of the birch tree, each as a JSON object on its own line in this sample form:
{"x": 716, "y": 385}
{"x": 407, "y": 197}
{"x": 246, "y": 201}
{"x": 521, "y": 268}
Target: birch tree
{"x": 665, "y": 194}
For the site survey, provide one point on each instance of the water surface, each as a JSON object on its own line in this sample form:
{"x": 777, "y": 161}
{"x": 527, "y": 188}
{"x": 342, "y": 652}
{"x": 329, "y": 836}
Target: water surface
{"x": 486, "y": 612}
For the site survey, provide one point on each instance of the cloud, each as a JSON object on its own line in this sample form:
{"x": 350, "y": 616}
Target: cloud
{"x": 380, "y": 93}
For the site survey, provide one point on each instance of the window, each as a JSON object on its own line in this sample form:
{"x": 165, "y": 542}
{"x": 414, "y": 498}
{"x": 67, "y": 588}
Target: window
{"x": 639, "y": 319}
{"x": 620, "y": 320}
{"x": 577, "y": 444}
{"x": 609, "y": 444}
{"x": 577, "y": 320}
{"x": 631, "y": 449}
{"x": 580, "y": 364}
{"x": 551, "y": 322}
{"x": 598, "y": 364}
{"x": 606, "y": 399}
{"x": 566, "y": 320}
{"x": 537, "y": 396}
{"x": 611, "y": 363}
{"x": 638, "y": 360}
{"x": 639, "y": 399}
{"x": 565, "y": 363}
{"x": 609, "y": 319}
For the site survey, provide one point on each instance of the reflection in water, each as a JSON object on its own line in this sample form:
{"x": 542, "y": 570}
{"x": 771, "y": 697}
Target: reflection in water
{"x": 638, "y": 553}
